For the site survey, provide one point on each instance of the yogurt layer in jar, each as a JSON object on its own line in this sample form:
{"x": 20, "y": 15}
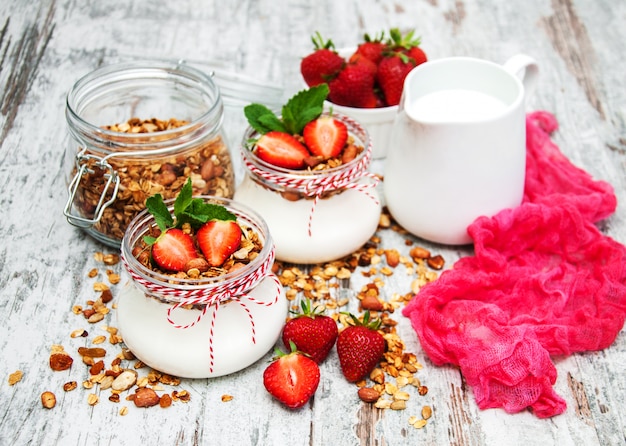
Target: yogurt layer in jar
{"x": 314, "y": 216}
{"x": 206, "y": 326}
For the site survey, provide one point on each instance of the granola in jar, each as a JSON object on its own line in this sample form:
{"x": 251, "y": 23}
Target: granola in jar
{"x": 138, "y": 129}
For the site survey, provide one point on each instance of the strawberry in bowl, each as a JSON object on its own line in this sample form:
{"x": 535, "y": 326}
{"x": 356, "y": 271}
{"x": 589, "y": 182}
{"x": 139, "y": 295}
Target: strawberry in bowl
{"x": 365, "y": 82}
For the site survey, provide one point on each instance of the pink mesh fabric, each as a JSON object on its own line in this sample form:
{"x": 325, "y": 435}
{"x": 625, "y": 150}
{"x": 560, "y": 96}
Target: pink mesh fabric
{"x": 543, "y": 281}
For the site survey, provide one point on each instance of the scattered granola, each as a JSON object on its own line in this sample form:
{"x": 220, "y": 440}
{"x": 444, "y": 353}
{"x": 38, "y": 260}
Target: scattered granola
{"x": 389, "y": 386}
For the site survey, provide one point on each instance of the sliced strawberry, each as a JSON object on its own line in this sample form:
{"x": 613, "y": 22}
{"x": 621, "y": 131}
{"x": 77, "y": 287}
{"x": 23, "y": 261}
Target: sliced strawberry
{"x": 325, "y": 136}
{"x": 282, "y": 150}
{"x": 292, "y": 379}
{"x": 218, "y": 239}
{"x": 173, "y": 249}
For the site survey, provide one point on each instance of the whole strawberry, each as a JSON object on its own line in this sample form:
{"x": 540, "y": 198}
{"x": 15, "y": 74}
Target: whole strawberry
{"x": 399, "y": 58}
{"x": 311, "y": 331}
{"x": 360, "y": 347}
{"x": 292, "y": 378}
{"x": 354, "y": 87}
{"x": 323, "y": 64}
{"x": 392, "y": 71}
{"x": 371, "y": 48}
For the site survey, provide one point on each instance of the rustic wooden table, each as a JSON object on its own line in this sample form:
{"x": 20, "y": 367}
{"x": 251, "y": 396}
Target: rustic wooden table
{"x": 44, "y": 262}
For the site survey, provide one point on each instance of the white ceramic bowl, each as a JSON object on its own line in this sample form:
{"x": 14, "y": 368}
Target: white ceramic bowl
{"x": 377, "y": 121}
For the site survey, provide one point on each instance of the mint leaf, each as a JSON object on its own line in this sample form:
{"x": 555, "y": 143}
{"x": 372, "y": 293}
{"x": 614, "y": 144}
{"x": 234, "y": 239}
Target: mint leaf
{"x": 159, "y": 211}
{"x": 304, "y": 107}
{"x": 184, "y": 198}
{"x": 262, "y": 119}
{"x": 272, "y": 122}
{"x": 199, "y": 212}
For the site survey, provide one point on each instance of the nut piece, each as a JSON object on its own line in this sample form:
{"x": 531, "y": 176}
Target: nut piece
{"x": 398, "y": 405}
{"x": 70, "y": 385}
{"x": 92, "y": 399}
{"x": 419, "y": 253}
{"x": 393, "y": 257}
{"x": 146, "y": 397}
{"x": 48, "y": 400}
{"x": 60, "y": 361}
{"x": 165, "y": 401}
{"x": 124, "y": 380}
{"x": 94, "y": 352}
{"x": 368, "y": 394}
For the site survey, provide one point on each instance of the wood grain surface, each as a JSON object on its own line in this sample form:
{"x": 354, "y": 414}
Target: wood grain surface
{"x": 45, "y": 46}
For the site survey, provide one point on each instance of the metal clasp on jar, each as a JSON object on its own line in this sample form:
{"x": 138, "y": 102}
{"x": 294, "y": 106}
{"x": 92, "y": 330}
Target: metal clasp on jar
{"x": 112, "y": 181}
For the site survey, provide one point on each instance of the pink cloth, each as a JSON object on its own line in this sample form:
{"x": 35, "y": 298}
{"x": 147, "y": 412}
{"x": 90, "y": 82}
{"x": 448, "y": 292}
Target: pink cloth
{"x": 543, "y": 281}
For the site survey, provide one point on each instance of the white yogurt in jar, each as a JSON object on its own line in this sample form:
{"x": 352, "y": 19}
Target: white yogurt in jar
{"x": 340, "y": 224}
{"x": 207, "y": 326}
{"x": 186, "y": 352}
{"x": 336, "y": 212}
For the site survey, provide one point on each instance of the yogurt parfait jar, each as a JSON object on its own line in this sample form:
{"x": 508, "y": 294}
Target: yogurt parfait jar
{"x": 206, "y": 326}
{"x": 137, "y": 129}
{"x": 314, "y": 215}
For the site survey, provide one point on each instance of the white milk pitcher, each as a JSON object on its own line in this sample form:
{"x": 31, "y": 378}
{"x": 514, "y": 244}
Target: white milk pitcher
{"x": 458, "y": 145}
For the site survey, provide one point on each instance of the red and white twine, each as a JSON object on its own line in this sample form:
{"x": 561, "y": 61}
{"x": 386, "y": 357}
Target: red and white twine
{"x": 212, "y": 296}
{"x": 316, "y": 186}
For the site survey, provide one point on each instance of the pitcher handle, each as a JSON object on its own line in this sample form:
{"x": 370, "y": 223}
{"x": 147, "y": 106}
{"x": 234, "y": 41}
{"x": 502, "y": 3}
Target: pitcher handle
{"x": 526, "y": 69}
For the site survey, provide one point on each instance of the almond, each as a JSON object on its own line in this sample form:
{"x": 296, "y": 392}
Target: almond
{"x": 124, "y": 380}
{"x": 198, "y": 263}
{"x": 419, "y": 253}
{"x": 94, "y": 352}
{"x": 146, "y": 397}
{"x": 371, "y": 303}
{"x": 368, "y": 395}
{"x": 60, "y": 361}
{"x": 435, "y": 262}
{"x": 393, "y": 257}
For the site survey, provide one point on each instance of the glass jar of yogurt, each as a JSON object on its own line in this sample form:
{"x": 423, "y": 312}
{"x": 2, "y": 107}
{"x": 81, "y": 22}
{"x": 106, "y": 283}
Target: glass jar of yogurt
{"x": 207, "y": 326}
{"x": 137, "y": 129}
{"x": 314, "y": 216}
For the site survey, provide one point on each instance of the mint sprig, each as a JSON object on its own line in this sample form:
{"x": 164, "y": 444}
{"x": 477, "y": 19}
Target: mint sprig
{"x": 302, "y": 108}
{"x": 187, "y": 209}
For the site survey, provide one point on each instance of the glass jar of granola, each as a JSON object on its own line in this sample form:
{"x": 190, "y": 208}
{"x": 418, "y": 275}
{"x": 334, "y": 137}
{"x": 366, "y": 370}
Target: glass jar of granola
{"x": 137, "y": 129}
{"x": 317, "y": 214}
{"x": 206, "y": 325}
